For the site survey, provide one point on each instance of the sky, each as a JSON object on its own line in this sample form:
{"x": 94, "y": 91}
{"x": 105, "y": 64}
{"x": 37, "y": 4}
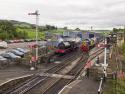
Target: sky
{"x": 101, "y": 14}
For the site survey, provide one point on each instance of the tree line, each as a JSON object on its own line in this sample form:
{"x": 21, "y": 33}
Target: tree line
{"x": 8, "y": 30}
{"x": 118, "y": 30}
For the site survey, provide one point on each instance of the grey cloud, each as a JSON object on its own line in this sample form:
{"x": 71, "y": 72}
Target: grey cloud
{"x": 73, "y": 13}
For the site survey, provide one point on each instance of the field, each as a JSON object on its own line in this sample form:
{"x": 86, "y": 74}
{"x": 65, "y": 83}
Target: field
{"x": 31, "y": 34}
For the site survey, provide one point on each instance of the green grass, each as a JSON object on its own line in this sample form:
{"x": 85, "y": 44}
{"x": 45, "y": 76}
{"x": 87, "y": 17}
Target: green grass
{"x": 31, "y": 34}
{"x": 111, "y": 89}
{"x": 58, "y": 31}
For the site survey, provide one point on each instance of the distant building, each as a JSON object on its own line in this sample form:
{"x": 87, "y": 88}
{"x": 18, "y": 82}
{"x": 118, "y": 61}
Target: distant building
{"x": 74, "y": 34}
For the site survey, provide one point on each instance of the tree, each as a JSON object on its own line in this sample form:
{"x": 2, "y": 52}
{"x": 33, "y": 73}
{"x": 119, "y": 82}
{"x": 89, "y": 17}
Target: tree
{"x": 65, "y": 28}
{"x": 115, "y": 30}
{"x": 77, "y": 29}
{"x": 7, "y": 29}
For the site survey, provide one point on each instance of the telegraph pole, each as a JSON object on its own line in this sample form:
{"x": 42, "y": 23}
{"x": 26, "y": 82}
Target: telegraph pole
{"x": 36, "y": 13}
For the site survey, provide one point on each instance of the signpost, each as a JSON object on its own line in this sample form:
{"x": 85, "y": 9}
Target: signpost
{"x": 104, "y": 65}
{"x": 105, "y": 58}
{"x": 36, "y": 13}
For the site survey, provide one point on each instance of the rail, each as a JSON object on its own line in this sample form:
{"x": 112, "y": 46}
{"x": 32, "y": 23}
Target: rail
{"x": 75, "y": 72}
{"x": 54, "y": 84}
{"x": 38, "y": 79}
{"x": 77, "y": 75}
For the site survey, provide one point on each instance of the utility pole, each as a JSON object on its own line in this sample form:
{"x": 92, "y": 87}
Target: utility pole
{"x": 36, "y": 13}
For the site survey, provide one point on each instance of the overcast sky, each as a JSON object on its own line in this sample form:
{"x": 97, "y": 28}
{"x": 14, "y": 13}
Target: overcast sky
{"x": 101, "y": 14}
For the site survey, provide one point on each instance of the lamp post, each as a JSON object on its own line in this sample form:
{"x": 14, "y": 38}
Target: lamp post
{"x": 105, "y": 64}
{"x": 36, "y": 13}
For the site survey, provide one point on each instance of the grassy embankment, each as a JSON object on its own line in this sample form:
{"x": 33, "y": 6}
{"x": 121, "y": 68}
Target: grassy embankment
{"x": 31, "y": 34}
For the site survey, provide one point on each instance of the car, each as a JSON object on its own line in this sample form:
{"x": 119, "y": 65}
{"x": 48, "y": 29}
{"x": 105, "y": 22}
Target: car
{"x": 10, "y": 55}
{"x": 22, "y": 50}
{"x": 3, "y": 62}
{"x": 8, "y": 41}
{"x": 27, "y": 40}
{"x": 21, "y": 40}
{"x": 11, "y": 41}
{"x": 3, "y": 44}
{"x": 2, "y": 58}
{"x": 16, "y": 52}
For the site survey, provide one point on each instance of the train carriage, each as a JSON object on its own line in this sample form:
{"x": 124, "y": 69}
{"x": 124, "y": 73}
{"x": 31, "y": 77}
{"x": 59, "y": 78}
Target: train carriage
{"x": 66, "y": 47}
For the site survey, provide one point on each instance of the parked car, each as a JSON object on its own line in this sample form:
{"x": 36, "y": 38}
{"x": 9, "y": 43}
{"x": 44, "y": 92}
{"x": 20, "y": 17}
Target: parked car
{"x": 21, "y": 40}
{"x": 10, "y": 55}
{"x": 11, "y": 41}
{"x": 27, "y": 40}
{"x": 8, "y": 41}
{"x": 16, "y": 52}
{"x": 3, "y": 44}
{"x": 22, "y": 50}
{"x": 3, "y": 62}
{"x": 2, "y": 58}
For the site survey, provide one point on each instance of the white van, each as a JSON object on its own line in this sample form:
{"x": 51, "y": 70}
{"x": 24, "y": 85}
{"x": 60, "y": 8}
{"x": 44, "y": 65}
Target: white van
{"x": 3, "y": 44}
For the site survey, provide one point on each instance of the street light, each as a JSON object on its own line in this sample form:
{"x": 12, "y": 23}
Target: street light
{"x": 36, "y": 13}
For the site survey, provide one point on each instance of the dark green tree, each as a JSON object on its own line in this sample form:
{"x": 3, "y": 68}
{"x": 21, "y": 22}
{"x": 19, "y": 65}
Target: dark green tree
{"x": 7, "y": 29}
{"x": 77, "y": 29}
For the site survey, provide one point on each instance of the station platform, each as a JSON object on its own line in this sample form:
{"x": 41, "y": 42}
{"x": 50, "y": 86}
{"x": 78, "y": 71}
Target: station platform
{"x": 84, "y": 86}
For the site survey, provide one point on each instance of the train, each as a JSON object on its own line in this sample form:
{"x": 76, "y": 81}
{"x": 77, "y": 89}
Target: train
{"x": 88, "y": 44}
{"x": 66, "y": 47}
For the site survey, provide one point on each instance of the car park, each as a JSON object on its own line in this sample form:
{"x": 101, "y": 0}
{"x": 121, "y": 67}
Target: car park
{"x": 21, "y": 40}
{"x": 22, "y": 50}
{"x": 10, "y": 55}
{"x": 2, "y": 58}
{"x": 11, "y": 41}
{"x": 16, "y": 52}
{"x": 3, "y": 62}
{"x": 8, "y": 41}
{"x": 3, "y": 44}
{"x": 27, "y": 40}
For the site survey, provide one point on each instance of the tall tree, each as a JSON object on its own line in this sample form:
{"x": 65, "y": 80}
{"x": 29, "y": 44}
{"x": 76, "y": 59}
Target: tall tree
{"x": 8, "y": 29}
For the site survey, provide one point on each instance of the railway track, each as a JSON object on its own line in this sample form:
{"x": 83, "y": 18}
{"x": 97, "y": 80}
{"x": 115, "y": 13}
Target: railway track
{"x": 53, "y": 85}
{"x": 26, "y": 86}
{"x": 50, "y": 85}
{"x": 55, "y": 88}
